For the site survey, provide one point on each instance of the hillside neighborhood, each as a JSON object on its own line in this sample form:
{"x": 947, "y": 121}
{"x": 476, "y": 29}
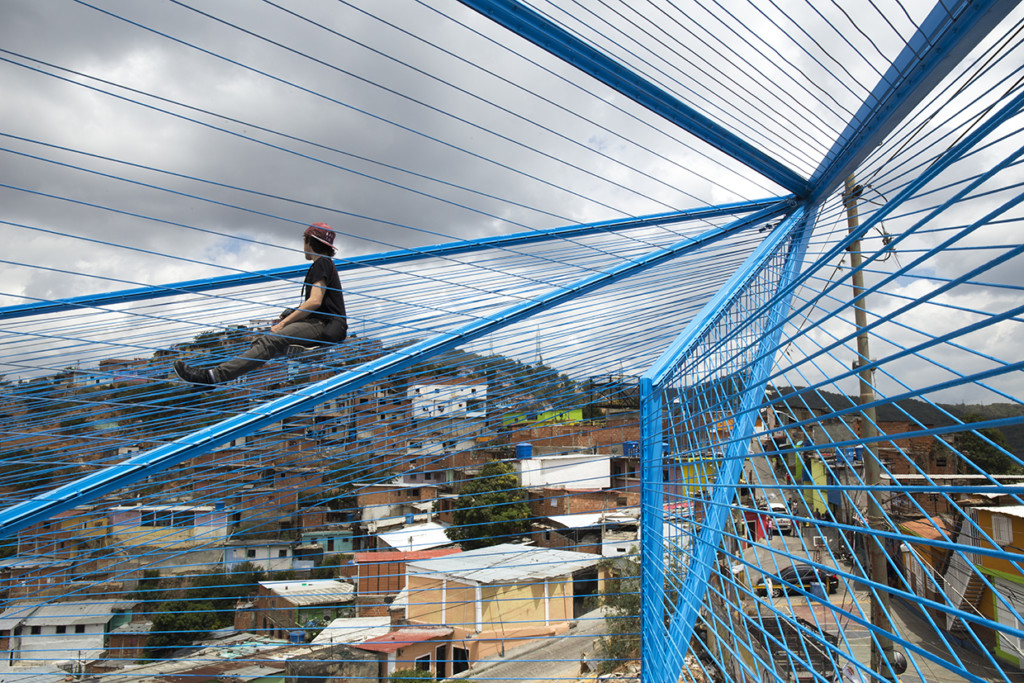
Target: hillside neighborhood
{"x": 333, "y": 545}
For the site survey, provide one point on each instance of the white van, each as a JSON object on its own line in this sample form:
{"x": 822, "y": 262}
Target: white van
{"x": 783, "y": 525}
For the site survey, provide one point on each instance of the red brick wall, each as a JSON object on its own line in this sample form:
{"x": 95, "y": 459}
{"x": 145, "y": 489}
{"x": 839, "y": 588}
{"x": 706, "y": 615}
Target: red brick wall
{"x": 547, "y": 502}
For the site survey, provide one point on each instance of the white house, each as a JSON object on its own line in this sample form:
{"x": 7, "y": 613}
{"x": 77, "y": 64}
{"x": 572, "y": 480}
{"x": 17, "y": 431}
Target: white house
{"x": 432, "y": 401}
{"x": 579, "y": 471}
{"x": 33, "y": 633}
{"x": 268, "y": 555}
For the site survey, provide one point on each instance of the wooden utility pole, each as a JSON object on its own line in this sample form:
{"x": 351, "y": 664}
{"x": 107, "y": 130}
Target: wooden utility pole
{"x": 878, "y": 566}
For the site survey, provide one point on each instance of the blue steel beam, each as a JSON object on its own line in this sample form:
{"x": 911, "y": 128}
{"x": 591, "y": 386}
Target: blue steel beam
{"x": 132, "y": 470}
{"x": 940, "y": 43}
{"x": 673, "y": 642}
{"x": 652, "y": 383}
{"x": 385, "y": 258}
{"x": 540, "y": 31}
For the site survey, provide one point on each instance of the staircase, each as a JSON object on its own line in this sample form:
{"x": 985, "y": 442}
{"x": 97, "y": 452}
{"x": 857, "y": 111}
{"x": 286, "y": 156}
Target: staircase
{"x": 968, "y": 603}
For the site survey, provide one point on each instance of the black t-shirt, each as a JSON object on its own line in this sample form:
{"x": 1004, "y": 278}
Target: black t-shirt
{"x": 333, "y": 305}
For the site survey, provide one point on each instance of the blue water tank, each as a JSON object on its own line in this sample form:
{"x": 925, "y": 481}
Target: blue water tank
{"x": 524, "y": 451}
{"x": 410, "y": 517}
{"x": 296, "y": 637}
{"x": 630, "y": 449}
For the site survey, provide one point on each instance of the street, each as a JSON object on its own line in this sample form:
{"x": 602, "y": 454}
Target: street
{"x": 556, "y": 659}
{"x": 909, "y": 624}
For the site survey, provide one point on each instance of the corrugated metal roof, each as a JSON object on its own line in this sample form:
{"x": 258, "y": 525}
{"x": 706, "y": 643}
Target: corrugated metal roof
{"x": 416, "y": 537}
{"x": 312, "y": 592}
{"x": 1008, "y": 510}
{"x": 62, "y": 613}
{"x": 505, "y": 563}
{"x": 353, "y": 630}
{"x": 578, "y": 521}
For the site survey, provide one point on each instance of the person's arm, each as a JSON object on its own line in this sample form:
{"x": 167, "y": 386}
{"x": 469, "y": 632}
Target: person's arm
{"x": 313, "y": 303}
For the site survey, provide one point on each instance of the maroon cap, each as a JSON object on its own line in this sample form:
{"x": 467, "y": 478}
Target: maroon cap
{"x": 321, "y": 232}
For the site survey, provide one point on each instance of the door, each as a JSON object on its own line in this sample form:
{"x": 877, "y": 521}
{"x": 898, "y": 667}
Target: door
{"x": 441, "y": 662}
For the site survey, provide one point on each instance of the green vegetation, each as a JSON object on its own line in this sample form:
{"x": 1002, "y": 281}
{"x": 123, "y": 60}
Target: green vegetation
{"x": 986, "y": 448}
{"x": 490, "y": 509}
{"x": 621, "y": 597}
{"x": 402, "y": 675}
{"x": 330, "y": 567}
{"x": 177, "y": 624}
{"x": 209, "y": 605}
{"x": 148, "y": 586}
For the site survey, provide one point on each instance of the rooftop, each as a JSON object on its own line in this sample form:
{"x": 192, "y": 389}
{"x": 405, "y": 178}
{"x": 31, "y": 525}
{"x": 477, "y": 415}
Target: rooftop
{"x": 401, "y": 555}
{"x": 353, "y": 630}
{"x": 1008, "y": 510}
{"x": 416, "y": 537}
{"x": 312, "y": 592}
{"x": 505, "y": 563}
{"x": 62, "y": 613}
{"x": 927, "y": 527}
{"x": 396, "y": 640}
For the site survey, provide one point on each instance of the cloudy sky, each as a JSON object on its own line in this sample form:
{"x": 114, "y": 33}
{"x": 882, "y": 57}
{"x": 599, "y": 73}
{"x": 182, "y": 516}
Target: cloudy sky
{"x": 148, "y": 143}
{"x": 209, "y": 132}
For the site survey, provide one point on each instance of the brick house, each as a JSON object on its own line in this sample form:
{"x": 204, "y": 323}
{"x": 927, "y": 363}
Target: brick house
{"x": 380, "y": 576}
{"x": 281, "y": 607}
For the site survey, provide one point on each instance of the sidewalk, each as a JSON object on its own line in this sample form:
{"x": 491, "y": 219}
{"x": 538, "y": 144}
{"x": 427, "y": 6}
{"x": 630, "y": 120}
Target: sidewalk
{"x": 551, "y": 659}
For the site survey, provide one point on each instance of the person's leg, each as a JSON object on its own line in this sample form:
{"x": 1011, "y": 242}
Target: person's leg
{"x": 265, "y": 347}
{"x": 268, "y": 346}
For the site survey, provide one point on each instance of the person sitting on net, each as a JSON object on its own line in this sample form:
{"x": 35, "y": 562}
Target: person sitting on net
{"x": 319, "y": 319}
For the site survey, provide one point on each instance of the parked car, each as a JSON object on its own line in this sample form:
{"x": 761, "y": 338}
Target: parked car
{"x": 783, "y": 525}
{"x": 797, "y": 575}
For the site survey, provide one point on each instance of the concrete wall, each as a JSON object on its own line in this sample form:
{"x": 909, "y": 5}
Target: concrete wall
{"x": 583, "y": 471}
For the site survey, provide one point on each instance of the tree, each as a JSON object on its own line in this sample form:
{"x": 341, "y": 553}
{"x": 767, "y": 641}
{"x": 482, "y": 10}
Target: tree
{"x": 179, "y": 623}
{"x": 148, "y": 587}
{"x": 490, "y": 509}
{"x": 330, "y": 567}
{"x": 986, "y": 448}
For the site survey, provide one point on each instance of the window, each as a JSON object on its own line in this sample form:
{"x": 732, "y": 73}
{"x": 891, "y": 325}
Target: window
{"x": 1002, "y": 530}
{"x": 423, "y": 663}
{"x": 62, "y": 629}
{"x": 282, "y": 552}
{"x": 250, "y": 553}
{"x": 183, "y": 518}
{"x": 79, "y": 628}
{"x": 36, "y": 630}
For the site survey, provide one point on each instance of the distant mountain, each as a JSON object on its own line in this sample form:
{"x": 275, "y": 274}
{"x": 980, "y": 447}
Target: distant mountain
{"x": 937, "y": 415}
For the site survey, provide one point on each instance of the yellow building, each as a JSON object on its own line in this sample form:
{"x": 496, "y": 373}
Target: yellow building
{"x": 990, "y": 586}
{"x": 168, "y": 526}
{"x": 497, "y": 597}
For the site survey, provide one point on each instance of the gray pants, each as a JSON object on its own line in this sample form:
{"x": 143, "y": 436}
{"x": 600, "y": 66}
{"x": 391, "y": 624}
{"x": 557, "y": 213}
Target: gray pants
{"x": 267, "y": 346}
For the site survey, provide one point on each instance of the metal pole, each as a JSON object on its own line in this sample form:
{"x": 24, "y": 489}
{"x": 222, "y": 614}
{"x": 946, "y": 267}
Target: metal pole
{"x": 881, "y": 647}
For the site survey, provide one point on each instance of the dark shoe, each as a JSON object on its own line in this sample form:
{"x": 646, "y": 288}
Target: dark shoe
{"x": 193, "y": 375}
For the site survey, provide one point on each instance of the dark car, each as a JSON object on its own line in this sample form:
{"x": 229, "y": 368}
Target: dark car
{"x": 797, "y": 575}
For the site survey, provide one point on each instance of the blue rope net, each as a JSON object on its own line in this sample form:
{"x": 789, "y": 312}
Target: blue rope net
{"x": 727, "y": 391}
